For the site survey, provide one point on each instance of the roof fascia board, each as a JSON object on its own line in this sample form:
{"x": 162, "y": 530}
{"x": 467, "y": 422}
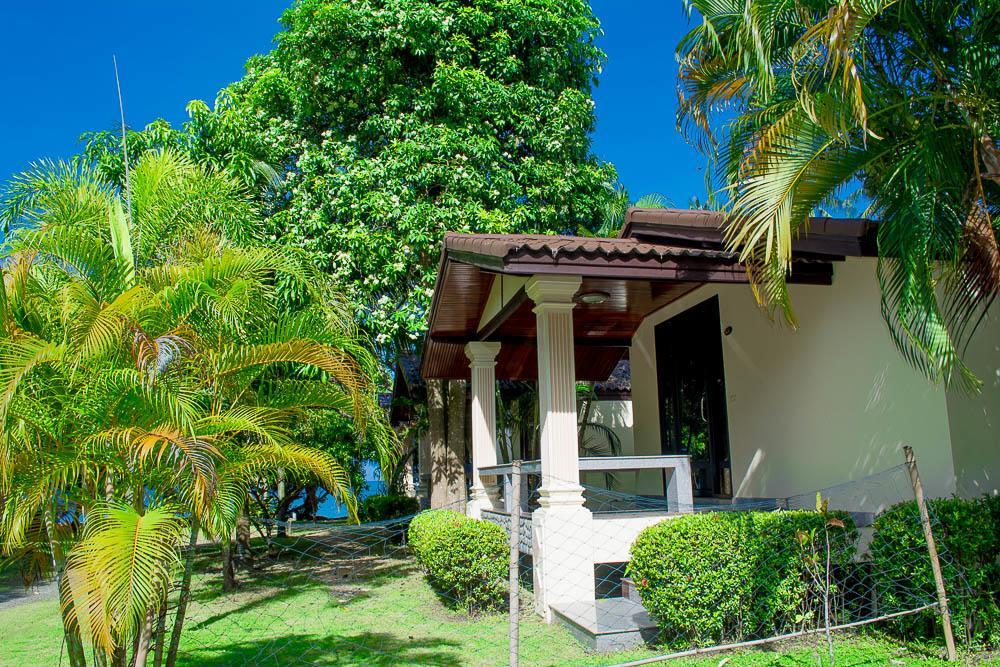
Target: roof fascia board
{"x": 488, "y": 262}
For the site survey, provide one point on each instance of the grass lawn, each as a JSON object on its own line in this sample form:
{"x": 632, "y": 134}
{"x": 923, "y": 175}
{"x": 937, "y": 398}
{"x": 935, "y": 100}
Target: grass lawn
{"x": 307, "y": 612}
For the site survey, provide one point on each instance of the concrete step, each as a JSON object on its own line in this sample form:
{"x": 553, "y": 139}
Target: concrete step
{"x": 612, "y": 624}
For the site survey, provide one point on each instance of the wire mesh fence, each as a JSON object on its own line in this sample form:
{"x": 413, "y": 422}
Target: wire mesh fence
{"x": 558, "y": 574}
{"x": 711, "y": 575}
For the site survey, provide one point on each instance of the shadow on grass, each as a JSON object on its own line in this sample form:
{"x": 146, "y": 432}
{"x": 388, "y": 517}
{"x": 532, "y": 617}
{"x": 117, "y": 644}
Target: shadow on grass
{"x": 262, "y": 588}
{"x": 456, "y": 602}
{"x": 366, "y": 648}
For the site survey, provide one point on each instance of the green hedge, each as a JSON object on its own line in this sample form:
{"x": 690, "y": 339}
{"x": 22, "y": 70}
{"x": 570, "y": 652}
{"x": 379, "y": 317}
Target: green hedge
{"x": 387, "y": 506}
{"x": 465, "y": 559}
{"x": 729, "y": 576}
{"x": 967, "y": 533}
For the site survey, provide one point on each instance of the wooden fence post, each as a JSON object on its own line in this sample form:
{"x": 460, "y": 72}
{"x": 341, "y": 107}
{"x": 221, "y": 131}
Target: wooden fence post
{"x": 514, "y": 509}
{"x": 925, "y": 520}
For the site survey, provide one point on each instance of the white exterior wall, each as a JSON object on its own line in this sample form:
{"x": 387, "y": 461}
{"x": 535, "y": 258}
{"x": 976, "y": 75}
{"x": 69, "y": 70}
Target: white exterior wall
{"x": 974, "y": 419}
{"x": 616, "y": 415}
{"x": 831, "y": 402}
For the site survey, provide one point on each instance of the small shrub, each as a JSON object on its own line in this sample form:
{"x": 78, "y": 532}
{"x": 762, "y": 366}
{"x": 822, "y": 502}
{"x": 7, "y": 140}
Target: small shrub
{"x": 967, "y": 533}
{"x": 728, "y": 576}
{"x": 465, "y": 559}
{"x": 386, "y": 507}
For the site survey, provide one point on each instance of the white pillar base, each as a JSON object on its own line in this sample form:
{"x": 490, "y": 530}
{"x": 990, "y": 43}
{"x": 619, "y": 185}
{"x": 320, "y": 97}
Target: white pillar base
{"x": 560, "y": 494}
{"x": 482, "y": 497}
{"x": 479, "y": 500}
{"x": 562, "y": 536}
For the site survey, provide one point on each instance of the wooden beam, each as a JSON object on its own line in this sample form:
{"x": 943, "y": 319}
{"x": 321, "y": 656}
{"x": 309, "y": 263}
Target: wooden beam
{"x": 503, "y": 314}
{"x": 530, "y": 340}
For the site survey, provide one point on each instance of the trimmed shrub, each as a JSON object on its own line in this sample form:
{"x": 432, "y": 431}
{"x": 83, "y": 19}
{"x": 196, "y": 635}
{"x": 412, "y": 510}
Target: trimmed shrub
{"x": 387, "y": 506}
{"x": 729, "y": 576}
{"x": 465, "y": 559}
{"x": 967, "y": 533}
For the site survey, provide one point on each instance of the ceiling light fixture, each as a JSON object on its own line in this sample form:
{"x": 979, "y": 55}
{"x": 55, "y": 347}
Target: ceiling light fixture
{"x": 592, "y": 298}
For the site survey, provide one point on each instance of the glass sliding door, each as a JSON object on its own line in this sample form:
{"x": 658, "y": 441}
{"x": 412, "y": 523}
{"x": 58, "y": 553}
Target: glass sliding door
{"x": 692, "y": 395}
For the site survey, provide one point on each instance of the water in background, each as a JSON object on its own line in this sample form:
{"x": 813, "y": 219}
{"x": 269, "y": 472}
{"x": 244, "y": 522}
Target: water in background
{"x": 374, "y": 485}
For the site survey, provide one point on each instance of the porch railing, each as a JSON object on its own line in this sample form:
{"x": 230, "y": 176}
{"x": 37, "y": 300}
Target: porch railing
{"x": 677, "y": 496}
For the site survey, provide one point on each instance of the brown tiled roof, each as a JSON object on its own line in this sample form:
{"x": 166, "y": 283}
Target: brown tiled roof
{"x": 512, "y": 246}
{"x": 618, "y": 384}
{"x": 660, "y": 255}
{"x": 672, "y": 217}
{"x": 825, "y": 236}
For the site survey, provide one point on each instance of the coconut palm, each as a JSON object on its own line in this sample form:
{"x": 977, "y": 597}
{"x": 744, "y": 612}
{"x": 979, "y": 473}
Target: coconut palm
{"x": 152, "y": 367}
{"x": 897, "y": 98}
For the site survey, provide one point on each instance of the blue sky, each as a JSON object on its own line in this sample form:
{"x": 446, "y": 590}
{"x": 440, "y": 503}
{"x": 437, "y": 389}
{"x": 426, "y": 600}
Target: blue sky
{"x": 59, "y": 82}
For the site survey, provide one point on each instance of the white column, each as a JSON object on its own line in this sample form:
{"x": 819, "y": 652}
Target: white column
{"x": 482, "y": 361}
{"x": 562, "y": 527}
{"x": 553, "y": 297}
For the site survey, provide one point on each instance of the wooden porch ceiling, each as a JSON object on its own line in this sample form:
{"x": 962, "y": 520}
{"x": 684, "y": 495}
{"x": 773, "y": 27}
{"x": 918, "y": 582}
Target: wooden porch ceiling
{"x": 603, "y": 331}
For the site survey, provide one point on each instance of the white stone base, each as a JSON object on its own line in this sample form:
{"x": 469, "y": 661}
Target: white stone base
{"x": 562, "y": 537}
{"x": 483, "y": 498}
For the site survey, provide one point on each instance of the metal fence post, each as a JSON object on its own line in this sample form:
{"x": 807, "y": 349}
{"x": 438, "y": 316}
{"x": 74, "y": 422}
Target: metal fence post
{"x": 925, "y": 520}
{"x": 514, "y": 509}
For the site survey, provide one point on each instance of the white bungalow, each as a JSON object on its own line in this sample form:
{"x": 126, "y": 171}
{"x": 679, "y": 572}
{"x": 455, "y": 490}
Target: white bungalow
{"x": 726, "y": 404}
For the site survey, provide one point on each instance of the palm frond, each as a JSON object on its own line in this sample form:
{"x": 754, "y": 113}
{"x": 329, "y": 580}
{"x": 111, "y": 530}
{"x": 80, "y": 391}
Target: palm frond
{"x": 18, "y": 358}
{"x": 71, "y": 193}
{"x": 120, "y": 571}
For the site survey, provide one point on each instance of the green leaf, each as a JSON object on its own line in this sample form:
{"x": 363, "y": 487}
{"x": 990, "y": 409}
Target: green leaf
{"x": 121, "y": 241}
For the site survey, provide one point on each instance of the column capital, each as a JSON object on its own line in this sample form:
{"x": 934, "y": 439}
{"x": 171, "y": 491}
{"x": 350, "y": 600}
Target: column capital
{"x": 547, "y": 290}
{"x": 482, "y": 354}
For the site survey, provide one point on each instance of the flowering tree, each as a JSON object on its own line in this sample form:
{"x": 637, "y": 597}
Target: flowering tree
{"x": 389, "y": 122}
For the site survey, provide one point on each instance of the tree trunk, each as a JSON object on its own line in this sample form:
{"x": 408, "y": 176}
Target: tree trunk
{"x": 160, "y": 636}
{"x": 437, "y": 443}
{"x": 286, "y": 497}
{"x": 71, "y": 634}
{"x": 228, "y": 566}
{"x": 424, "y": 468}
{"x": 244, "y": 549}
{"x": 265, "y": 512}
{"x": 402, "y": 480}
{"x": 184, "y": 597}
{"x": 310, "y": 507}
{"x": 142, "y": 645}
{"x": 455, "y": 451}
{"x": 71, "y": 631}
{"x": 282, "y": 510}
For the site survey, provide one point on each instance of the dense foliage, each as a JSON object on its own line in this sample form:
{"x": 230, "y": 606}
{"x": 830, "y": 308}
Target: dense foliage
{"x": 330, "y": 432}
{"x": 465, "y": 559}
{"x": 383, "y": 507}
{"x": 393, "y": 121}
{"x": 148, "y": 379}
{"x": 967, "y": 533}
{"x": 727, "y": 576}
{"x": 797, "y": 101}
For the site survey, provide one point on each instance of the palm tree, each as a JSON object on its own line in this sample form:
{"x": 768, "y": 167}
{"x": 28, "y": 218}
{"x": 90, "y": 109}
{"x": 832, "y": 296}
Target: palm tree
{"x": 617, "y": 204}
{"x": 896, "y": 98}
{"x": 151, "y": 369}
